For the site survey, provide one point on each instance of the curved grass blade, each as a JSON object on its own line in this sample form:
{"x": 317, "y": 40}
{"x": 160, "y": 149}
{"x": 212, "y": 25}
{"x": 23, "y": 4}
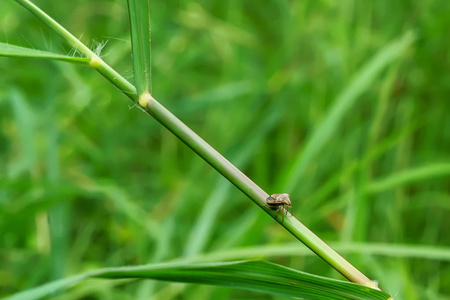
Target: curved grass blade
{"x": 408, "y": 251}
{"x": 409, "y": 176}
{"x": 22, "y": 52}
{"x": 348, "y": 97}
{"x": 258, "y": 276}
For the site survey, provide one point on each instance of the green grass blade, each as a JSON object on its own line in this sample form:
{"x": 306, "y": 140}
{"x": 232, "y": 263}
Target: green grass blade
{"x": 258, "y": 276}
{"x": 362, "y": 81}
{"x": 140, "y": 40}
{"x": 409, "y": 176}
{"x": 26, "y": 119}
{"x": 22, "y": 52}
{"x": 411, "y": 251}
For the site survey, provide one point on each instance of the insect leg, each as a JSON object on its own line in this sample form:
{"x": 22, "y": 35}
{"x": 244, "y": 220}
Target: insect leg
{"x": 282, "y": 213}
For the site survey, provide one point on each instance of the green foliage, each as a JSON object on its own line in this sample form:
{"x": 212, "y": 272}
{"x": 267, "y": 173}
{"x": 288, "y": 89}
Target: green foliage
{"x": 22, "y": 52}
{"x": 257, "y": 82}
{"x": 253, "y": 275}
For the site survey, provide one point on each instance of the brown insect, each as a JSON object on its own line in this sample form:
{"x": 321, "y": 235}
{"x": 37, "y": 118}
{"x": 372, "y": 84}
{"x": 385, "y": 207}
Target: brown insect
{"x": 278, "y": 202}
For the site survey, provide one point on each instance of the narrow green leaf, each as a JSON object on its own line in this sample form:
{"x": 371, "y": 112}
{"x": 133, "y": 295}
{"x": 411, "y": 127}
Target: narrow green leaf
{"x": 22, "y": 52}
{"x": 258, "y": 276}
{"x": 140, "y": 40}
{"x": 409, "y": 176}
{"x": 295, "y": 250}
{"x": 25, "y": 120}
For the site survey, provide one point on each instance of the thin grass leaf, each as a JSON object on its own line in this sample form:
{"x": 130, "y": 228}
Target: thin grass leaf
{"x": 409, "y": 176}
{"x": 258, "y": 276}
{"x": 25, "y": 119}
{"x": 294, "y": 250}
{"x": 22, "y": 52}
{"x": 140, "y": 40}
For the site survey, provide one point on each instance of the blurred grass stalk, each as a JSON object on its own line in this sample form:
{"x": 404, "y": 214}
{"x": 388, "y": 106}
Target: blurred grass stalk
{"x": 139, "y": 19}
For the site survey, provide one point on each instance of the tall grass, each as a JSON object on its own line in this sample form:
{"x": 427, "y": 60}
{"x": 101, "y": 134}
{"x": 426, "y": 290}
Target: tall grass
{"x": 133, "y": 194}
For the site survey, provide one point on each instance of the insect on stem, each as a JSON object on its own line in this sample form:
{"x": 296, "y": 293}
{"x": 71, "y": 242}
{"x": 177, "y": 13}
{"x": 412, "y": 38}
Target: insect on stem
{"x": 278, "y": 202}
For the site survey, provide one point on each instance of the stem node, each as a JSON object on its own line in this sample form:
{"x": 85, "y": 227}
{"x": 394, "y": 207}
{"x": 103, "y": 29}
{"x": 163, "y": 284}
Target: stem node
{"x": 95, "y": 62}
{"x": 144, "y": 100}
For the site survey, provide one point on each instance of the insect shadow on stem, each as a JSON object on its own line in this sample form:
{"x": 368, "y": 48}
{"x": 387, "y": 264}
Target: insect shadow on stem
{"x": 278, "y": 202}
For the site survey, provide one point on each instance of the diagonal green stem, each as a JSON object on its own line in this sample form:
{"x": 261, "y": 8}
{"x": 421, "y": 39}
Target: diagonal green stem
{"x": 251, "y": 189}
{"x": 209, "y": 154}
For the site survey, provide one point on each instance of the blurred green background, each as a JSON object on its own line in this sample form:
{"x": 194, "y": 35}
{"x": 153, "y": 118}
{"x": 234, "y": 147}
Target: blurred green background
{"x": 89, "y": 181}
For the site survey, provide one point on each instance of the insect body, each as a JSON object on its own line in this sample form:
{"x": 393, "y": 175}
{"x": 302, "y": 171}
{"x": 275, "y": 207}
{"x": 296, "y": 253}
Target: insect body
{"x": 279, "y": 201}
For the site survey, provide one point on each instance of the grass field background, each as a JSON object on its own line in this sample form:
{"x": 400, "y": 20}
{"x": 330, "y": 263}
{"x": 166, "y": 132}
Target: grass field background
{"x": 89, "y": 181}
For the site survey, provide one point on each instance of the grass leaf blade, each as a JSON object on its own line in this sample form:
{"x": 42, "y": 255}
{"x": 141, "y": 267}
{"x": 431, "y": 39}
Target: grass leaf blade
{"x": 258, "y": 276}
{"x": 9, "y": 50}
{"x": 139, "y": 13}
